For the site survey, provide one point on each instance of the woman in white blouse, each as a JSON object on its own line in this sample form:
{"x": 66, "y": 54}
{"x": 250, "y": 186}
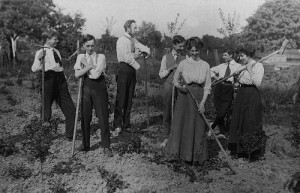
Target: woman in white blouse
{"x": 247, "y": 112}
{"x": 187, "y": 139}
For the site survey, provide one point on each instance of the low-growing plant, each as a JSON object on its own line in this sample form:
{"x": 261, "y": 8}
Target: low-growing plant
{"x": 253, "y": 141}
{"x": 18, "y": 170}
{"x": 9, "y": 83}
{"x": 67, "y": 167}
{"x": 294, "y": 135}
{"x": 57, "y": 186}
{"x": 39, "y": 140}
{"x": 12, "y": 101}
{"x": 4, "y": 91}
{"x": 113, "y": 180}
{"x": 7, "y": 148}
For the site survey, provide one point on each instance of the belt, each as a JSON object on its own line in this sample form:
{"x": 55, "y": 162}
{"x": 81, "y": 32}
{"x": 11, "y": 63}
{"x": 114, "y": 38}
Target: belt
{"x": 195, "y": 85}
{"x": 227, "y": 83}
{"x": 247, "y": 85}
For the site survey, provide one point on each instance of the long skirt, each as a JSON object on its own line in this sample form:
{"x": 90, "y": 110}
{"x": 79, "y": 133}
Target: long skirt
{"x": 187, "y": 139}
{"x": 246, "y": 117}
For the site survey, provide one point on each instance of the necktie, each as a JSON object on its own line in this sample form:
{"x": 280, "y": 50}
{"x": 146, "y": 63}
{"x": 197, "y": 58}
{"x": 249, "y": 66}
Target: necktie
{"x": 228, "y": 72}
{"x": 177, "y": 60}
{"x": 57, "y": 58}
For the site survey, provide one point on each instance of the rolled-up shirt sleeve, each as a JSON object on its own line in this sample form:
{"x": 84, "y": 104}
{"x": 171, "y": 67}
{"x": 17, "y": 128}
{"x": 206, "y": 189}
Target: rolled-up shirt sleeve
{"x": 258, "y": 71}
{"x": 125, "y": 54}
{"x": 77, "y": 65}
{"x": 207, "y": 84}
{"x": 36, "y": 66}
{"x": 163, "y": 71}
{"x": 100, "y": 67}
{"x": 141, "y": 47}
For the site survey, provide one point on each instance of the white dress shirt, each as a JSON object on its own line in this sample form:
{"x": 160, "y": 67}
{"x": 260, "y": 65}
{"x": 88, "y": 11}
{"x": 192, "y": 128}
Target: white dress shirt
{"x": 221, "y": 69}
{"x": 256, "y": 79}
{"x": 50, "y": 63}
{"x": 126, "y": 46}
{"x": 99, "y": 62}
{"x": 194, "y": 72}
{"x": 163, "y": 72}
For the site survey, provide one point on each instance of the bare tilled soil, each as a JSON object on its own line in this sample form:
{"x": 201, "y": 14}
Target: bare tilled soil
{"x": 138, "y": 164}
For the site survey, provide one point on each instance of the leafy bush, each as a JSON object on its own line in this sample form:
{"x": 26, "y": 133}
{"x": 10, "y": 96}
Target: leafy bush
{"x": 7, "y": 148}
{"x": 11, "y": 100}
{"x": 294, "y": 135}
{"x": 4, "y": 91}
{"x": 18, "y": 170}
{"x": 9, "y": 83}
{"x": 114, "y": 181}
{"x": 56, "y": 186}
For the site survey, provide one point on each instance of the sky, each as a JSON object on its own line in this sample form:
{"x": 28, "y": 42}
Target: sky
{"x": 202, "y": 16}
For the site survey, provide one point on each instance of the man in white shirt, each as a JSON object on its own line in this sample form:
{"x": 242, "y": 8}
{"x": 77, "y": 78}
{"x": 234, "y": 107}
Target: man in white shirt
{"x": 223, "y": 93}
{"x": 91, "y": 66}
{"x": 168, "y": 67}
{"x": 55, "y": 86}
{"x": 128, "y": 48}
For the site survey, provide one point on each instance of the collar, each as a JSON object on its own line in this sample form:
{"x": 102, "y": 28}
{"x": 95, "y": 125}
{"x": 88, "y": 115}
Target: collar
{"x": 174, "y": 52}
{"x": 92, "y": 55}
{"x": 127, "y": 35}
{"x": 232, "y": 62}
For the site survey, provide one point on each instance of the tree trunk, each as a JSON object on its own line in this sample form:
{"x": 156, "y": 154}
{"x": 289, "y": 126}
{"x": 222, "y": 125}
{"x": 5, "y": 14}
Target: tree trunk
{"x": 13, "y": 49}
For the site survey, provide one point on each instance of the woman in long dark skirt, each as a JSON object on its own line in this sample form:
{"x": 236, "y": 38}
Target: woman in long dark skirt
{"x": 246, "y": 122}
{"x": 187, "y": 139}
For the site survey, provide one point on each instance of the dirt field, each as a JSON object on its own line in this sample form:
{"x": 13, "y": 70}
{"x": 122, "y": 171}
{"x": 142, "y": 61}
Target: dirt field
{"x": 137, "y": 164}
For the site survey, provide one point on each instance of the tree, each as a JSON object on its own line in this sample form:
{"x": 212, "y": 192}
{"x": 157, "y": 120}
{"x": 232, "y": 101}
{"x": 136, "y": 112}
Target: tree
{"x": 108, "y": 25}
{"x": 69, "y": 28}
{"x": 23, "y": 17}
{"x": 272, "y": 22}
{"x": 32, "y": 17}
{"x": 149, "y": 35}
{"x": 108, "y": 42}
{"x": 174, "y": 26}
{"x": 230, "y": 29}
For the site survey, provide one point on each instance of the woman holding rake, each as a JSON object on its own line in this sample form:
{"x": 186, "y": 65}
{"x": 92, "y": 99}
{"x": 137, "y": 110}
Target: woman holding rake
{"x": 187, "y": 139}
{"x": 246, "y": 119}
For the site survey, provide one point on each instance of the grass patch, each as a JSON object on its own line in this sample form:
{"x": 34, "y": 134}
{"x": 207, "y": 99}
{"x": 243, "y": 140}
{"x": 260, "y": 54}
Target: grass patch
{"x": 18, "y": 170}
{"x": 4, "y": 91}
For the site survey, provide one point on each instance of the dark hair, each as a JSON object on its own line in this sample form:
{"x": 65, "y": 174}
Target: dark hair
{"x": 194, "y": 42}
{"x": 248, "y": 50}
{"x": 177, "y": 39}
{"x": 229, "y": 51}
{"x": 49, "y": 34}
{"x": 128, "y": 24}
{"x": 88, "y": 37}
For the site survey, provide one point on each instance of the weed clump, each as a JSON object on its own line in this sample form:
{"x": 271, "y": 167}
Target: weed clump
{"x": 113, "y": 180}
{"x": 57, "y": 186}
{"x": 39, "y": 139}
{"x": 18, "y": 170}
{"x": 7, "y": 148}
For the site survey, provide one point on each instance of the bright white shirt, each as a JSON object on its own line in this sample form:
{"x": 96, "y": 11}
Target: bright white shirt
{"x": 126, "y": 46}
{"x": 221, "y": 69}
{"x": 99, "y": 62}
{"x": 256, "y": 79}
{"x": 50, "y": 63}
{"x": 194, "y": 72}
{"x": 163, "y": 72}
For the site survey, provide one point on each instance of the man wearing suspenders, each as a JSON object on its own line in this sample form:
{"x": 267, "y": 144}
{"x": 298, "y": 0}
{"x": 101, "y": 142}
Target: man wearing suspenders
{"x": 91, "y": 67}
{"x": 168, "y": 67}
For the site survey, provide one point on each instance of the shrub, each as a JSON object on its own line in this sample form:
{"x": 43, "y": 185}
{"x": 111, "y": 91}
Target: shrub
{"x": 11, "y": 100}
{"x": 56, "y": 186}
{"x": 39, "y": 139}
{"x": 114, "y": 181}
{"x": 18, "y": 170}
{"x": 7, "y": 148}
{"x": 9, "y": 83}
{"x": 4, "y": 91}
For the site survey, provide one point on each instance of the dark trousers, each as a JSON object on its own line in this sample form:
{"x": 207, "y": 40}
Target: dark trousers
{"x": 167, "y": 113}
{"x": 126, "y": 80}
{"x": 94, "y": 94}
{"x": 223, "y": 96}
{"x": 56, "y": 88}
